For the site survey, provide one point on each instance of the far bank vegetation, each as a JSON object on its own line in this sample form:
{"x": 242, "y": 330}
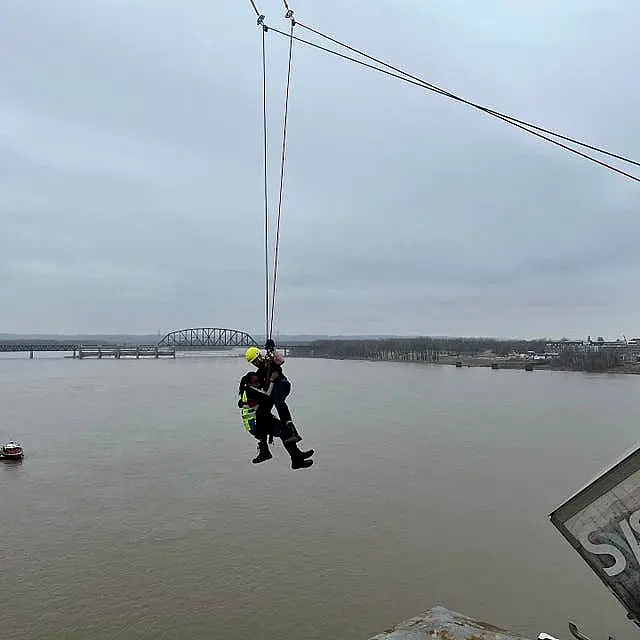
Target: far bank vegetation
{"x": 467, "y": 351}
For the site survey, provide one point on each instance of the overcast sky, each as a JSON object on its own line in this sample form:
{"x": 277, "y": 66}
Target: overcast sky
{"x": 131, "y": 169}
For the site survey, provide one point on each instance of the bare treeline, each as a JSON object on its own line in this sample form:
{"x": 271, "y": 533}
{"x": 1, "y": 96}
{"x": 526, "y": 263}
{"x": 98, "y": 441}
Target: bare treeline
{"x": 437, "y": 349}
{"x": 427, "y": 349}
{"x": 602, "y": 360}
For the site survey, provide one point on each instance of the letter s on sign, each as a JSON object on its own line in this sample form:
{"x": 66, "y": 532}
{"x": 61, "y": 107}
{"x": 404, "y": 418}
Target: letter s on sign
{"x": 607, "y": 550}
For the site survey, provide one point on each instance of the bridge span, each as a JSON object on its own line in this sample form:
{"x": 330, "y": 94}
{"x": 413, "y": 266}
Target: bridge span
{"x": 196, "y": 339}
{"x": 207, "y": 338}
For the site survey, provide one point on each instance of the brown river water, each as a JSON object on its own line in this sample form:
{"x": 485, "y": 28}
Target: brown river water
{"x": 137, "y": 513}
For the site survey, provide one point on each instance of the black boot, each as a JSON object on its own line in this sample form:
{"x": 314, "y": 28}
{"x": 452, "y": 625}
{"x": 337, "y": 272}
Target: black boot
{"x": 294, "y": 450}
{"x": 263, "y": 452}
{"x": 291, "y": 433}
{"x": 298, "y": 458}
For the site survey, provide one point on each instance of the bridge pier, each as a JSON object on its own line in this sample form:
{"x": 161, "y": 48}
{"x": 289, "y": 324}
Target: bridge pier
{"x": 119, "y": 352}
{"x": 31, "y": 354}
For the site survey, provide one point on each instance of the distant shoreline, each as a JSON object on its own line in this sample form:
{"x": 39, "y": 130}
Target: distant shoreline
{"x": 485, "y": 362}
{"x": 537, "y": 366}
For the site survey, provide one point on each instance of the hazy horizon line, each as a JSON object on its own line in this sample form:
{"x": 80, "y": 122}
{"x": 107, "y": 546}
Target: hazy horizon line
{"x": 288, "y": 336}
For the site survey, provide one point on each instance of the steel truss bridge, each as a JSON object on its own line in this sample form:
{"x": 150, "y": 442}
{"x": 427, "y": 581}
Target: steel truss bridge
{"x": 184, "y": 339}
{"x": 207, "y": 338}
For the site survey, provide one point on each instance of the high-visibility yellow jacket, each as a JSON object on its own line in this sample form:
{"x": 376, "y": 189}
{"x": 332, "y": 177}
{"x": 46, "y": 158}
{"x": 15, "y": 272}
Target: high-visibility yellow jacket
{"x": 249, "y": 410}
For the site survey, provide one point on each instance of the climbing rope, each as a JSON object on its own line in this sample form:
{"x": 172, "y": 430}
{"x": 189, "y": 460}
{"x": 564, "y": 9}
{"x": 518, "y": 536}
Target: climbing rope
{"x": 289, "y": 16}
{"x": 270, "y": 303}
{"x": 414, "y": 80}
{"x": 266, "y": 175}
{"x": 453, "y": 96}
{"x": 253, "y": 4}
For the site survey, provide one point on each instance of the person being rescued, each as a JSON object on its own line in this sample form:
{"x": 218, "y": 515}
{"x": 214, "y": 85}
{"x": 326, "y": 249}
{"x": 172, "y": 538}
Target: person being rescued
{"x": 256, "y": 404}
{"x": 267, "y": 366}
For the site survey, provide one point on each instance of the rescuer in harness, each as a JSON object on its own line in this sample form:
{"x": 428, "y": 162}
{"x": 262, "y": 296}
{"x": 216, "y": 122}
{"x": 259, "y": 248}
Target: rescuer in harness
{"x": 256, "y": 404}
{"x": 269, "y": 369}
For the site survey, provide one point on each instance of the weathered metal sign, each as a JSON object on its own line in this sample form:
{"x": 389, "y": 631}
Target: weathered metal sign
{"x": 602, "y": 522}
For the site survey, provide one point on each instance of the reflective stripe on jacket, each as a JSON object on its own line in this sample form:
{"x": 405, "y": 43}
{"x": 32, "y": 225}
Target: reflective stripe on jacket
{"x": 248, "y": 413}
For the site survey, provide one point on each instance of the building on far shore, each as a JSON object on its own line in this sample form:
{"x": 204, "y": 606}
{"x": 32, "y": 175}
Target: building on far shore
{"x": 628, "y": 349}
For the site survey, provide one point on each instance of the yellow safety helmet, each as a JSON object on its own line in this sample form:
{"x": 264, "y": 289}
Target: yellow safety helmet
{"x": 252, "y": 353}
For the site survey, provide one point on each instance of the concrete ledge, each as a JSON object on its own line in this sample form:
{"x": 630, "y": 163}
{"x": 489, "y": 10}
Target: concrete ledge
{"x": 441, "y": 624}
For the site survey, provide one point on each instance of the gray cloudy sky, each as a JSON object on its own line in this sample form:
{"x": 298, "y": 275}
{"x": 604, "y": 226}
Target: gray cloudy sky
{"x": 130, "y": 169}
